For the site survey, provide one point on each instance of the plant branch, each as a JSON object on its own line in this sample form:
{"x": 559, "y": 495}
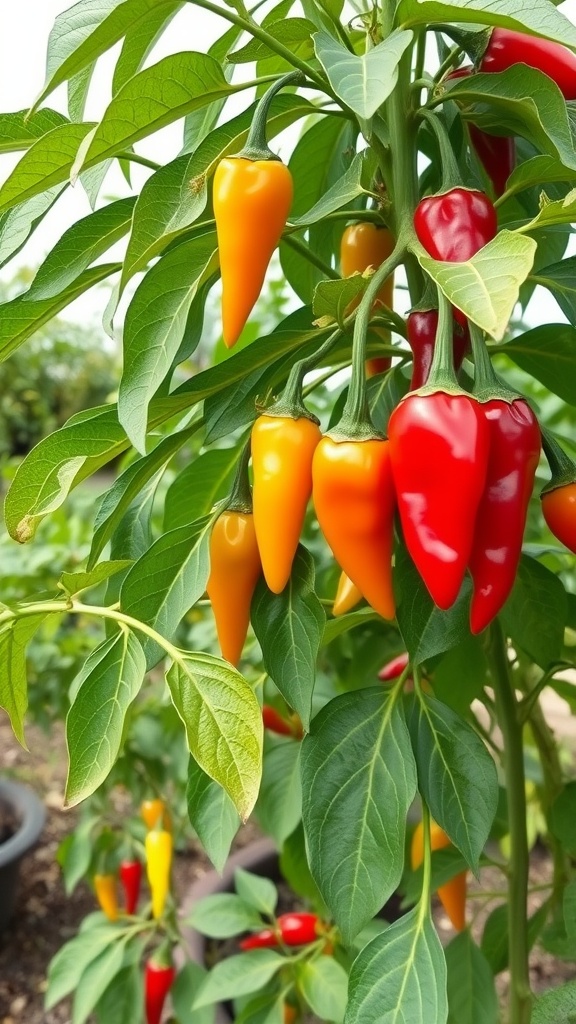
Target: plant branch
{"x": 135, "y": 158}
{"x": 307, "y": 253}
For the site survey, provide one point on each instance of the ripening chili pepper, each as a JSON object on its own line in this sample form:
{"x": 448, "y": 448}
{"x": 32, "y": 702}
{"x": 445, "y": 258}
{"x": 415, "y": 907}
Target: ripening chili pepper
{"x": 496, "y": 153}
{"x": 131, "y": 877}
{"x": 159, "y": 976}
{"x": 393, "y": 669}
{"x": 252, "y": 195}
{"x": 452, "y": 895}
{"x": 421, "y": 328}
{"x": 452, "y": 226}
{"x": 235, "y": 566}
{"x": 282, "y": 452}
{"x": 289, "y": 1013}
{"x": 274, "y": 722}
{"x": 154, "y": 811}
{"x": 265, "y": 939}
{"x": 105, "y": 889}
{"x": 293, "y": 929}
{"x": 347, "y": 596}
{"x": 366, "y": 245}
{"x": 353, "y": 498}
{"x": 507, "y": 47}
{"x": 378, "y": 364}
{"x": 158, "y": 846}
{"x": 559, "y": 495}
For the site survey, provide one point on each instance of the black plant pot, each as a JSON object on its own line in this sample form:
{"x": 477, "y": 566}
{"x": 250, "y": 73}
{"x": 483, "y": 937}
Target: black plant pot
{"x": 30, "y": 815}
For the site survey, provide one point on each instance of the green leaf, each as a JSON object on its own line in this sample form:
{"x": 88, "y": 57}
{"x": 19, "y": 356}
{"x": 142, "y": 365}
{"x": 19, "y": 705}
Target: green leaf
{"x": 446, "y": 864}
{"x": 48, "y": 162}
{"x": 537, "y": 171}
{"x": 358, "y": 780}
{"x": 456, "y": 775}
{"x": 294, "y": 869}
{"x": 548, "y": 353}
{"x": 199, "y": 486}
{"x": 139, "y": 40}
{"x": 122, "y": 1000}
{"x": 486, "y": 288}
{"x": 563, "y": 818}
{"x": 494, "y": 943}
{"x": 426, "y": 630}
{"x": 333, "y": 298}
{"x": 324, "y": 985}
{"x": 461, "y": 675}
{"x": 535, "y": 614}
{"x": 108, "y": 683}
{"x": 223, "y": 724}
{"x": 78, "y": 89}
{"x": 154, "y": 328}
{"x": 295, "y": 33}
{"x": 279, "y": 807}
{"x": 83, "y": 243}
{"x": 289, "y": 628}
{"x": 471, "y": 993}
{"x": 22, "y": 317}
{"x": 17, "y": 224}
{"x": 540, "y": 18}
{"x": 400, "y": 977}
{"x": 351, "y": 185}
{"x": 96, "y": 978}
{"x": 68, "y": 965}
{"x": 167, "y": 581}
{"x": 19, "y": 132}
{"x": 554, "y": 212}
{"x": 14, "y": 638}
{"x": 75, "y": 582}
{"x": 212, "y": 814}
{"x": 239, "y": 976}
{"x": 186, "y": 984}
{"x": 154, "y": 98}
{"x": 223, "y": 915}
{"x": 363, "y": 83}
{"x": 336, "y": 627}
{"x": 75, "y": 853}
{"x": 560, "y": 280}
{"x": 259, "y": 892}
{"x": 558, "y": 1004}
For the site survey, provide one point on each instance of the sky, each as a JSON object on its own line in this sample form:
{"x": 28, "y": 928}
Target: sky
{"x": 24, "y": 29}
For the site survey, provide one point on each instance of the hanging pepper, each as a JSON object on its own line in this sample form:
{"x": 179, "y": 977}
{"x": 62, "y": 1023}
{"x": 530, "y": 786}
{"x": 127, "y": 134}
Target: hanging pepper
{"x": 559, "y": 495}
{"x": 421, "y": 330}
{"x": 452, "y": 895}
{"x": 235, "y": 566}
{"x": 297, "y": 929}
{"x": 154, "y": 811}
{"x": 159, "y": 975}
{"x": 158, "y": 845}
{"x": 131, "y": 876}
{"x": 439, "y": 447}
{"x": 252, "y": 195}
{"x": 105, "y": 889}
{"x": 393, "y": 669}
{"x": 506, "y": 48}
{"x": 496, "y": 153}
{"x": 274, "y": 722}
{"x": 366, "y": 245}
{"x": 452, "y": 226}
{"x": 347, "y": 595}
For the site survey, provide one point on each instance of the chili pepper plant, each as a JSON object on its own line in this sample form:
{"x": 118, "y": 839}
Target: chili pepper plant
{"x": 432, "y": 140}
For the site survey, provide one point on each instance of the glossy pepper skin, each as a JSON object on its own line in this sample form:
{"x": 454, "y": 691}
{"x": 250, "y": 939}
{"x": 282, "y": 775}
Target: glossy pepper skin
{"x": 282, "y": 453}
{"x": 559, "y": 511}
{"x": 158, "y": 846}
{"x": 235, "y": 569}
{"x": 354, "y": 501}
{"x": 393, "y": 669}
{"x": 452, "y": 895}
{"x": 158, "y": 980}
{"x": 421, "y": 328}
{"x": 454, "y": 225}
{"x": 152, "y": 812}
{"x": 347, "y": 596}
{"x": 252, "y": 200}
{"x": 105, "y": 889}
{"x": 439, "y": 449}
{"x": 366, "y": 245}
{"x": 131, "y": 877}
{"x": 507, "y": 48}
{"x": 514, "y": 453}
{"x": 296, "y": 929}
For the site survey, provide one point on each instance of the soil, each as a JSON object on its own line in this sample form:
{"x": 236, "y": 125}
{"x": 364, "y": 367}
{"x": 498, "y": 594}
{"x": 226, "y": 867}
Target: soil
{"x": 45, "y": 917}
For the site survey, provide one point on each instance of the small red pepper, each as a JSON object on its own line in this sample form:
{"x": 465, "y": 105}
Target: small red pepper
{"x": 274, "y": 722}
{"x": 421, "y": 328}
{"x": 131, "y": 877}
{"x": 452, "y": 226}
{"x": 559, "y": 495}
{"x": 296, "y": 929}
{"x": 159, "y": 975}
{"x": 507, "y": 47}
{"x": 393, "y": 669}
{"x": 264, "y": 939}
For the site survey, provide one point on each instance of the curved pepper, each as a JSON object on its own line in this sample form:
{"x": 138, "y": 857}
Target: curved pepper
{"x": 105, "y": 889}
{"x": 158, "y": 845}
{"x": 366, "y": 245}
{"x": 353, "y": 498}
{"x": 159, "y": 976}
{"x": 295, "y": 929}
{"x": 439, "y": 448}
{"x": 131, "y": 877}
{"x": 235, "y": 568}
{"x": 507, "y": 47}
{"x": 347, "y": 596}
{"x": 282, "y": 452}
{"x": 514, "y": 453}
{"x": 452, "y": 895}
{"x": 454, "y": 225}
{"x": 421, "y": 328}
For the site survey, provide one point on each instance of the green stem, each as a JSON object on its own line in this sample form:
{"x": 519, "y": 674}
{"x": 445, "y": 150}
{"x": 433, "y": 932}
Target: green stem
{"x": 291, "y": 402}
{"x": 442, "y": 373}
{"x": 135, "y": 158}
{"x": 450, "y": 174}
{"x": 308, "y": 254}
{"x": 561, "y": 466}
{"x": 240, "y": 499}
{"x": 452, "y": 59}
{"x": 256, "y": 146}
{"x": 513, "y": 756}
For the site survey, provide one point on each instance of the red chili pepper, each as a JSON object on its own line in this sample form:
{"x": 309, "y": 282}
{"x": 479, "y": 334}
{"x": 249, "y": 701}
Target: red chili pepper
{"x": 439, "y": 446}
{"x": 496, "y": 153}
{"x": 261, "y": 940}
{"x": 159, "y": 975}
{"x": 378, "y": 364}
{"x": 421, "y": 328}
{"x": 274, "y": 722}
{"x": 394, "y": 669}
{"x": 292, "y": 929}
{"x": 454, "y": 225}
{"x": 514, "y": 454}
{"x": 506, "y": 48}
{"x": 131, "y": 877}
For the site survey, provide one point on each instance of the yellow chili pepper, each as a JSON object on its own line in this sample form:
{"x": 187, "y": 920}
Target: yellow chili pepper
{"x": 105, "y": 889}
{"x": 347, "y": 596}
{"x": 158, "y": 845}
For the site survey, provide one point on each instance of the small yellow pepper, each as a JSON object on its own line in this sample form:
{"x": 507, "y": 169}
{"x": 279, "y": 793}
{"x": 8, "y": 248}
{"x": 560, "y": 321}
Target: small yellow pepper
{"x": 158, "y": 845}
{"x": 105, "y": 889}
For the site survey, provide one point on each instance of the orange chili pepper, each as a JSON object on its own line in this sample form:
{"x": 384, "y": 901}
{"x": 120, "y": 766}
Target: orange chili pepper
{"x": 347, "y": 596}
{"x": 105, "y": 889}
{"x": 366, "y": 245}
{"x": 452, "y": 895}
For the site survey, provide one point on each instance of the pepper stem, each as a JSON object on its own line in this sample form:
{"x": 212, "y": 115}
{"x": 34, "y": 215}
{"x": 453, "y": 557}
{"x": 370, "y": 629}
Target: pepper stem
{"x": 257, "y": 147}
{"x": 291, "y": 402}
{"x": 240, "y": 499}
{"x": 562, "y": 467}
{"x": 442, "y": 372}
{"x": 162, "y": 956}
{"x": 450, "y": 173}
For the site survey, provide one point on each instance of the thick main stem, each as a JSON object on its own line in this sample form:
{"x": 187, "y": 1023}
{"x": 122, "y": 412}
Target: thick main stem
{"x": 506, "y": 709}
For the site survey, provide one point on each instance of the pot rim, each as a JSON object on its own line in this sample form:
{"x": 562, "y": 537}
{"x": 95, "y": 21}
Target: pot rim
{"x": 32, "y": 813}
